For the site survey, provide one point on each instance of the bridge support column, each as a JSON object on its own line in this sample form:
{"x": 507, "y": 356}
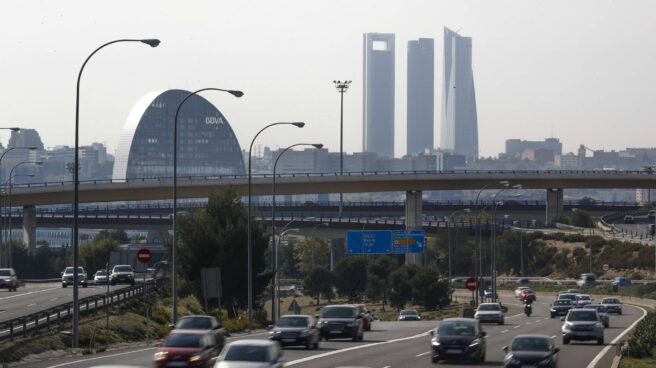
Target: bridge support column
{"x": 413, "y": 221}
{"x": 554, "y": 204}
{"x": 29, "y": 228}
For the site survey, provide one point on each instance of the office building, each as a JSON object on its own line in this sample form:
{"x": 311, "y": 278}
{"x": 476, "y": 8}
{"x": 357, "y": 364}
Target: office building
{"x": 420, "y": 95}
{"x": 515, "y": 147}
{"x": 378, "y": 109}
{"x": 459, "y": 133}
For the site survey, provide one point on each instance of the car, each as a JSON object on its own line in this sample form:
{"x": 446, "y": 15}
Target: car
{"x": 560, "y": 307}
{"x": 527, "y": 294}
{"x": 531, "y": 351}
{"x": 205, "y": 323}
{"x": 366, "y": 316}
{"x": 339, "y": 321}
{"x": 613, "y": 305}
{"x": 67, "y": 276}
{"x": 100, "y": 277}
{"x": 582, "y": 324}
{"x": 296, "y": 330}
{"x": 8, "y": 279}
{"x": 602, "y": 312}
{"x": 519, "y": 290}
{"x": 587, "y": 279}
{"x": 621, "y": 281}
{"x": 122, "y": 274}
{"x": 573, "y": 291}
{"x": 582, "y": 300}
{"x": 186, "y": 348}
{"x": 487, "y": 293}
{"x": 628, "y": 219}
{"x": 523, "y": 280}
{"x": 490, "y": 312}
{"x": 251, "y": 353}
{"x": 458, "y": 339}
{"x": 569, "y": 296}
{"x": 409, "y": 315}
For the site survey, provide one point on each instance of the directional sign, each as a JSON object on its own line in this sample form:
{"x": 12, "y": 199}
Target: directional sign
{"x": 385, "y": 241}
{"x": 470, "y": 284}
{"x": 143, "y": 255}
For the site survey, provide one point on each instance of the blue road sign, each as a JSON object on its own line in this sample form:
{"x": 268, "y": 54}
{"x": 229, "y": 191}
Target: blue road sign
{"x": 385, "y": 241}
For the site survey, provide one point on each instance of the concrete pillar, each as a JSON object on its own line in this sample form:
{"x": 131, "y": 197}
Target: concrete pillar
{"x": 29, "y": 228}
{"x": 413, "y": 221}
{"x": 554, "y": 204}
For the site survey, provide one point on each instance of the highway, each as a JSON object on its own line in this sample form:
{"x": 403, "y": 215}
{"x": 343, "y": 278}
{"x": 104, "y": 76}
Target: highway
{"x": 405, "y": 344}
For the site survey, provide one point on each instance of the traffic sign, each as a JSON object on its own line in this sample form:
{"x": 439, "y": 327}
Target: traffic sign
{"x": 143, "y": 255}
{"x": 470, "y": 284}
{"x": 605, "y": 267}
{"x": 385, "y": 241}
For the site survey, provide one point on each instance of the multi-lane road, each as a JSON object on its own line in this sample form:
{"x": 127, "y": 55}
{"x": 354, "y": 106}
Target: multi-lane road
{"x": 405, "y": 344}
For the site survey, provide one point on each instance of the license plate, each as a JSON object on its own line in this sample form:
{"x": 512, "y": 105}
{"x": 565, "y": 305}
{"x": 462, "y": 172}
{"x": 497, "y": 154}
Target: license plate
{"x": 288, "y": 340}
{"x": 176, "y": 364}
{"x": 529, "y": 366}
{"x": 336, "y": 332}
{"x": 454, "y": 351}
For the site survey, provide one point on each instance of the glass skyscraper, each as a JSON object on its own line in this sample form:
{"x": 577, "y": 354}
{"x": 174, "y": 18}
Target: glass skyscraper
{"x": 421, "y": 94}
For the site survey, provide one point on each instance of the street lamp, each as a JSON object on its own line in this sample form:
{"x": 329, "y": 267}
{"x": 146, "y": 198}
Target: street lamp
{"x": 448, "y": 230}
{"x": 249, "y": 220}
{"x": 273, "y": 208}
{"x": 174, "y": 276}
{"x": 11, "y": 175}
{"x": 76, "y": 185}
{"x": 342, "y": 87}
{"x": 494, "y": 234}
{"x": 276, "y": 275}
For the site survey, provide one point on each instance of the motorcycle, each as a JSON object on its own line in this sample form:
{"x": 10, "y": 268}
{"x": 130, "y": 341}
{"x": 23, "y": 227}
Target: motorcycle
{"x": 528, "y": 309}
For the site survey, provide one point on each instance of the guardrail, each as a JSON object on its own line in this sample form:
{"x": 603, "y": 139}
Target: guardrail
{"x": 46, "y": 319}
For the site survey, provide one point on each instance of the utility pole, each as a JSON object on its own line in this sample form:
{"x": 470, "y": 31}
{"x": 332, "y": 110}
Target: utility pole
{"x": 342, "y": 87}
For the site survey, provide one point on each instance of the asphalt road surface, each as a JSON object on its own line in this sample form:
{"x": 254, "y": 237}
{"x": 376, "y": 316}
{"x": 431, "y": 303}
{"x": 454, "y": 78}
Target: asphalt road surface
{"x": 405, "y": 344}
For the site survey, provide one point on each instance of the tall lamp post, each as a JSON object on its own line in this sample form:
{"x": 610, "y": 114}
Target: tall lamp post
{"x": 249, "y": 220}
{"x": 11, "y": 175}
{"x": 174, "y": 269}
{"x": 448, "y": 230}
{"x": 493, "y": 255}
{"x": 342, "y": 87}
{"x": 273, "y": 218}
{"x": 76, "y": 184}
{"x": 276, "y": 289}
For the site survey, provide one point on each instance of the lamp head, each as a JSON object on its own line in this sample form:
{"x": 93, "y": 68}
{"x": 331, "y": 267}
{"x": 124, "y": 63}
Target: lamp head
{"x": 317, "y": 145}
{"x": 152, "y": 42}
{"x": 37, "y": 162}
{"x": 300, "y": 124}
{"x": 236, "y": 93}
{"x": 15, "y": 129}
{"x": 505, "y": 183}
{"x": 32, "y": 148}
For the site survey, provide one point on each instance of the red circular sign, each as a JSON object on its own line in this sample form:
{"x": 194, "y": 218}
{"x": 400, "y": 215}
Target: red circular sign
{"x": 143, "y": 255}
{"x": 470, "y": 284}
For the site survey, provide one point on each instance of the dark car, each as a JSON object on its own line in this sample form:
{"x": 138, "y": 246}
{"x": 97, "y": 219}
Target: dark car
{"x": 531, "y": 351}
{"x": 201, "y": 322}
{"x": 409, "y": 315}
{"x": 187, "y": 348}
{"x": 621, "y": 281}
{"x": 366, "y": 316}
{"x": 560, "y": 307}
{"x": 602, "y": 312}
{"x": 296, "y": 330}
{"x": 458, "y": 339}
{"x": 339, "y": 321}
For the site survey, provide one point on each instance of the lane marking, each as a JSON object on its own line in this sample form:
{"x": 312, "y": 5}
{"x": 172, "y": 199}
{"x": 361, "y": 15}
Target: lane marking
{"x": 603, "y": 352}
{"x": 102, "y": 357}
{"x": 553, "y": 337}
{"x": 504, "y": 331}
{"x": 53, "y": 299}
{"x": 422, "y": 354}
{"x": 31, "y": 305}
{"x": 528, "y": 323}
{"x": 31, "y": 292}
{"x": 517, "y": 326}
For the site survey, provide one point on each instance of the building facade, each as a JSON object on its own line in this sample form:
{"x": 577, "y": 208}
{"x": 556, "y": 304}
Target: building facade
{"x": 420, "y": 95}
{"x": 378, "y": 108}
{"x": 515, "y": 147}
{"x": 207, "y": 146}
{"x": 459, "y": 133}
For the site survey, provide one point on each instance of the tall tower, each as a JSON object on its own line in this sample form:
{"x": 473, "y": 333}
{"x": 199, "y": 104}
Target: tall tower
{"x": 378, "y": 109}
{"x": 421, "y": 93}
{"x": 459, "y": 120}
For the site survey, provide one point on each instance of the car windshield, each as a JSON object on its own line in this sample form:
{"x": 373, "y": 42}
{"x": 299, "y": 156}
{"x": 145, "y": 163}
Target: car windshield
{"x": 567, "y": 296}
{"x": 293, "y": 322}
{"x": 5, "y": 273}
{"x": 70, "y": 270}
{"x": 530, "y": 344}
{"x": 582, "y": 315}
{"x": 456, "y": 329}
{"x": 101, "y": 273}
{"x": 488, "y": 307}
{"x": 246, "y": 353}
{"x": 195, "y": 323}
{"x": 408, "y": 312}
{"x": 610, "y": 301}
{"x": 562, "y": 302}
{"x": 583, "y": 297}
{"x": 183, "y": 341}
{"x": 338, "y": 312}
{"x": 123, "y": 269}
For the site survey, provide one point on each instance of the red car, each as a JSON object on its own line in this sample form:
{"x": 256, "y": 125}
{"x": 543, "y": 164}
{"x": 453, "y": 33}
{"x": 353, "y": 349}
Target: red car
{"x": 187, "y": 348}
{"x": 527, "y": 294}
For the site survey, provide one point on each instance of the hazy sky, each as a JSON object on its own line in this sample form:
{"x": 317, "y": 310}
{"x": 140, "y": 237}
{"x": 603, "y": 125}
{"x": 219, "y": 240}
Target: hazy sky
{"x": 582, "y": 71}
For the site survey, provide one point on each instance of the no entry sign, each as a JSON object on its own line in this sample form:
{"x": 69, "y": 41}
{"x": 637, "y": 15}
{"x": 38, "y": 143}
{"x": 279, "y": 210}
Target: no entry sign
{"x": 143, "y": 255}
{"x": 470, "y": 284}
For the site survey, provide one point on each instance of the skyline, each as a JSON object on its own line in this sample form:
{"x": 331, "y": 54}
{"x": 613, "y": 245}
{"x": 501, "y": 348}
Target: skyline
{"x": 583, "y": 74}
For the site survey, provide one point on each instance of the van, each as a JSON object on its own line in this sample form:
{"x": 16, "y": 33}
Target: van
{"x": 587, "y": 279}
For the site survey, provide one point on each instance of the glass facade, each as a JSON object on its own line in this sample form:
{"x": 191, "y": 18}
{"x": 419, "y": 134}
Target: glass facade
{"x": 207, "y": 146}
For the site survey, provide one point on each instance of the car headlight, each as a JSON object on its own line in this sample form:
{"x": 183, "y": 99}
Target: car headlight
{"x": 160, "y": 355}
{"x": 350, "y": 324}
{"x": 474, "y": 342}
{"x": 567, "y": 327}
{"x": 435, "y": 341}
{"x": 194, "y": 358}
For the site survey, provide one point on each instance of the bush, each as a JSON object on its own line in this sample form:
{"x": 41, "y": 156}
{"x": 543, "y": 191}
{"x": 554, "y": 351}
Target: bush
{"x": 642, "y": 339}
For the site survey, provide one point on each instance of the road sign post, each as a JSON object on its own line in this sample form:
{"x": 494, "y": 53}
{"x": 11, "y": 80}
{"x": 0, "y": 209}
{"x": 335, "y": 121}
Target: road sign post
{"x": 470, "y": 284}
{"x": 143, "y": 256}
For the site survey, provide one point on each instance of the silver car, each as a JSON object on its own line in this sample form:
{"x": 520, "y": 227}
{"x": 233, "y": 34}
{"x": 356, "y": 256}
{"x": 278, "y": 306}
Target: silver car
{"x": 8, "y": 279}
{"x": 250, "y": 354}
{"x": 490, "y": 312}
{"x": 613, "y": 305}
{"x": 583, "y": 324}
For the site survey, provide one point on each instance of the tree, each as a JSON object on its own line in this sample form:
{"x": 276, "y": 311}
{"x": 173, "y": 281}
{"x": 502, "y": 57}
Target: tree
{"x": 429, "y": 289}
{"x": 401, "y": 288}
{"x": 351, "y": 276}
{"x": 117, "y": 235}
{"x": 311, "y": 253}
{"x": 95, "y": 255}
{"x": 378, "y": 282}
{"x": 320, "y": 281}
{"x": 216, "y": 236}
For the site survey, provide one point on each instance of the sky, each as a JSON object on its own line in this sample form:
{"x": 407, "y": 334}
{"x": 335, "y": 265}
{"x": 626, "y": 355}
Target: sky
{"x": 579, "y": 70}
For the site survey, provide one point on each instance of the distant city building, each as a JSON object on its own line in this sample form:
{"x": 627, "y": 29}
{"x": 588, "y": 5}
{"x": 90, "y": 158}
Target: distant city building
{"x": 515, "y": 147}
{"x": 207, "y": 145}
{"x": 643, "y": 196}
{"x": 421, "y": 93}
{"x": 378, "y": 108}
{"x": 540, "y": 155}
{"x": 459, "y": 119}
{"x": 569, "y": 161}
{"x": 25, "y": 138}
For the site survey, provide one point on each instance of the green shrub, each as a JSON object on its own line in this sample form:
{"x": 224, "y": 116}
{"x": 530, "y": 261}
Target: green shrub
{"x": 642, "y": 339}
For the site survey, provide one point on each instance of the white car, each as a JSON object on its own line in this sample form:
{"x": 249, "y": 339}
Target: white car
{"x": 490, "y": 312}
{"x": 100, "y": 277}
{"x": 519, "y": 290}
{"x": 67, "y": 276}
{"x": 250, "y": 353}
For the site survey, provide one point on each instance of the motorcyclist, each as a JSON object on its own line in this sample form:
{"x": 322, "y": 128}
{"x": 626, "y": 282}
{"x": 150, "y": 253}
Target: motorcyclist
{"x": 528, "y": 306}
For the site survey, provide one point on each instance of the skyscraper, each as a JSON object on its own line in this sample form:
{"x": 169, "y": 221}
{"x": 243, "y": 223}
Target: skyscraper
{"x": 459, "y": 121}
{"x": 421, "y": 93}
{"x": 378, "y": 109}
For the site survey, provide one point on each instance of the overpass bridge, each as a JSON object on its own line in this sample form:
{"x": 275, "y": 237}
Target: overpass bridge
{"x": 413, "y": 183}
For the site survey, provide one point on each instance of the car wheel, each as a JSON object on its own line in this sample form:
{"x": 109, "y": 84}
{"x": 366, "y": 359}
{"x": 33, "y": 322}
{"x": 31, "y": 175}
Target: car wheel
{"x": 63, "y": 285}
{"x": 316, "y": 345}
{"x": 435, "y": 359}
{"x": 565, "y": 341}
{"x": 607, "y": 325}
{"x": 620, "y": 313}
{"x": 501, "y": 322}
{"x": 355, "y": 336}
{"x": 308, "y": 343}
{"x": 84, "y": 285}
{"x": 552, "y": 315}
{"x": 600, "y": 341}
{"x": 482, "y": 358}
